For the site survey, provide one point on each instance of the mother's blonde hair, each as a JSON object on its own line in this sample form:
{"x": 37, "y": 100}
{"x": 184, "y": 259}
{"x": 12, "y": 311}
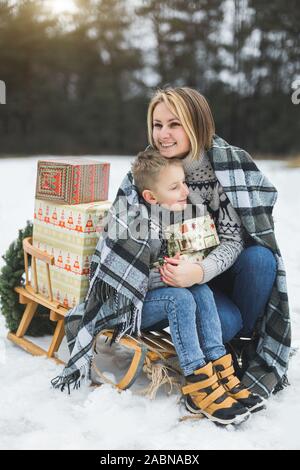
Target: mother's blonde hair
{"x": 194, "y": 113}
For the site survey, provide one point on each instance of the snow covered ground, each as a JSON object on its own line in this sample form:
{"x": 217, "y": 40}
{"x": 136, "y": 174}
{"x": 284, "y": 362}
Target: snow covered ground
{"x": 34, "y": 416}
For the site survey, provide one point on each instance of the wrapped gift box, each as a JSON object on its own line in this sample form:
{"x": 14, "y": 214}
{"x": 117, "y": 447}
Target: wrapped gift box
{"x": 193, "y": 239}
{"x": 70, "y": 234}
{"x": 73, "y": 181}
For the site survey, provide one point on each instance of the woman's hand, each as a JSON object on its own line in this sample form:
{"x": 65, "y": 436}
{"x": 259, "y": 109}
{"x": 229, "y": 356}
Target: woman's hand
{"x": 180, "y": 272}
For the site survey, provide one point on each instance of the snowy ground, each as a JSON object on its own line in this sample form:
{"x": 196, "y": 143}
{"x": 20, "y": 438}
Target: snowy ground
{"x": 34, "y": 416}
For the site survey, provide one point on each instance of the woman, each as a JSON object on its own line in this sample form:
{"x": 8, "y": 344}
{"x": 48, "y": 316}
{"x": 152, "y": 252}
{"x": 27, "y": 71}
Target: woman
{"x": 245, "y": 273}
{"x": 247, "y": 266}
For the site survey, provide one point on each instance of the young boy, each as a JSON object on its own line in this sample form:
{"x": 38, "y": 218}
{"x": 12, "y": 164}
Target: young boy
{"x": 183, "y": 231}
{"x": 161, "y": 183}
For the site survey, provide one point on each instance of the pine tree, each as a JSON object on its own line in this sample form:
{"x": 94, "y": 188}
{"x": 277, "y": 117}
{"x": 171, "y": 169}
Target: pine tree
{"x": 269, "y": 73}
{"x": 186, "y": 36}
{"x": 107, "y": 83}
{"x": 11, "y": 276}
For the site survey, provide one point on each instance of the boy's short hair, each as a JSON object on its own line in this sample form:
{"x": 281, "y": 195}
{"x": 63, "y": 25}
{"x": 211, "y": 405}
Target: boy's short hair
{"x": 147, "y": 167}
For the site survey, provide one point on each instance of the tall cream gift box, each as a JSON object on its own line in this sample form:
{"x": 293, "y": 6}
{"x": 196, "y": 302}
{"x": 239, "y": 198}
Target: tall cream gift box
{"x": 69, "y": 233}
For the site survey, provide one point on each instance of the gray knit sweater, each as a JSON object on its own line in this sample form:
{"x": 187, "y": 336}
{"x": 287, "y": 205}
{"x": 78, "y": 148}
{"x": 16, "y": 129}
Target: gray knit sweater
{"x": 207, "y": 192}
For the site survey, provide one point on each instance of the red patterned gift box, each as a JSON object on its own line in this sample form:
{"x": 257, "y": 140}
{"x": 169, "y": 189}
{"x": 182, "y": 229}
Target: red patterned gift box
{"x": 73, "y": 181}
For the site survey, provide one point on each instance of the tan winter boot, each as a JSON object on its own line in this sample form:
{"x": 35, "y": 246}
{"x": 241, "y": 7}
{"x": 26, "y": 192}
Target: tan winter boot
{"x": 205, "y": 395}
{"x": 226, "y": 374}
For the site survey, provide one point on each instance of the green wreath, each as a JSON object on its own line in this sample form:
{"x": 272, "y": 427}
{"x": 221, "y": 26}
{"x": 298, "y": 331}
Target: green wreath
{"x": 11, "y": 276}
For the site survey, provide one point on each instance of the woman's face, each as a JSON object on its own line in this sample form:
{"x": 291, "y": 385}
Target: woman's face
{"x": 168, "y": 134}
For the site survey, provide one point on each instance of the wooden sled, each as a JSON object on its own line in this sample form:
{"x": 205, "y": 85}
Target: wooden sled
{"x": 150, "y": 349}
{"x": 154, "y": 354}
{"x": 31, "y": 297}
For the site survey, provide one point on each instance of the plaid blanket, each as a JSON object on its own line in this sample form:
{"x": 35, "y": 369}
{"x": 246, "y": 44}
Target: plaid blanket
{"x": 120, "y": 271}
{"x": 119, "y": 274}
{"x": 253, "y": 197}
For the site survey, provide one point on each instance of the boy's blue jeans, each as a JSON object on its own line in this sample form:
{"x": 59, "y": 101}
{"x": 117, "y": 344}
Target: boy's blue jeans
{"x": 205, "y": 316}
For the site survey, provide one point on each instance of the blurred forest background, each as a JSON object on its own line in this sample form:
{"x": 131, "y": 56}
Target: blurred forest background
{"x": 79, "y": 83}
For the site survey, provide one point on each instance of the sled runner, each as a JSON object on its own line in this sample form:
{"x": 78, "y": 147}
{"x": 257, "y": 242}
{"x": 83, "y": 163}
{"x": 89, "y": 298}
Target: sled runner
{"x": 30, "y": 296}
{"x": 154, "y": 353}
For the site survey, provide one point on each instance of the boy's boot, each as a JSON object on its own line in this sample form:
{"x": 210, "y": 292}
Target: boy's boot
{"x": 205, "y": 395}
{"x": 226, "y": 374}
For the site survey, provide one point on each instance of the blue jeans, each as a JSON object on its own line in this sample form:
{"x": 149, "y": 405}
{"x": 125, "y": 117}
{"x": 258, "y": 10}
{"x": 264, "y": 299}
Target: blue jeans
{"x": 205, "y": 316}
{"x": 248, "y": 284}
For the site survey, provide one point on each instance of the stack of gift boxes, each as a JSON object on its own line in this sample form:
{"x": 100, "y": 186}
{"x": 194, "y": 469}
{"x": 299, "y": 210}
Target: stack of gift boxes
{"x": 70, "y": 207}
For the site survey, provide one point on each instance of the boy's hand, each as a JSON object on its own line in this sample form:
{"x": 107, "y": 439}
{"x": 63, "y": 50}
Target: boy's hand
{"x": 181, "y": 273}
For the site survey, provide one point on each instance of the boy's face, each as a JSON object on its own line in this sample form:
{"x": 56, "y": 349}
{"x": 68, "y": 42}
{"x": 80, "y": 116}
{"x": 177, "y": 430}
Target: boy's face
{"x": 169, "y": 190}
